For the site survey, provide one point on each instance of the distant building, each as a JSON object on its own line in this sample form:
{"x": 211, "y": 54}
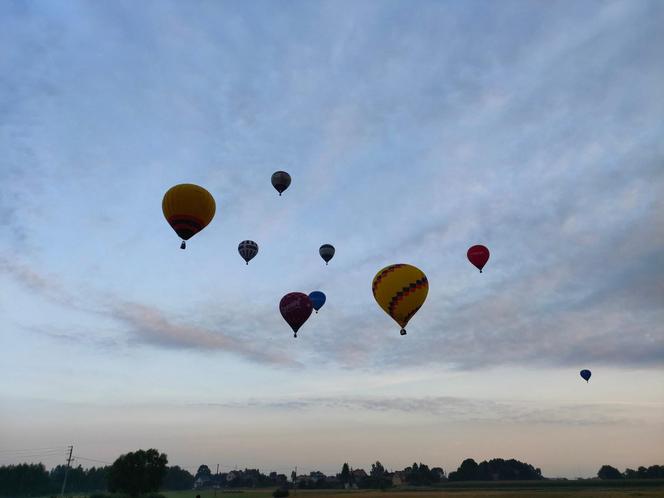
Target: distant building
{"x": 359, "y": 474}
{"x": 399, "y": 478}
{"x": 202, "y": 482}
{"x": 332, "y": 481}
{"x": 282, "y": 479}
{"x": 316, "y": 476}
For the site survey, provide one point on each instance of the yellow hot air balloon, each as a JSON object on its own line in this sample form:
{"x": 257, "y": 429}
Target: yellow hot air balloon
{"x": 400, "y": 290}
{"x": 188, "y": 209}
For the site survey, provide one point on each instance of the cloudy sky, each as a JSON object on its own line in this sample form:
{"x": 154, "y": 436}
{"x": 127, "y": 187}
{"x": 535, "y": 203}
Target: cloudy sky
{"x": 411, "y": 131}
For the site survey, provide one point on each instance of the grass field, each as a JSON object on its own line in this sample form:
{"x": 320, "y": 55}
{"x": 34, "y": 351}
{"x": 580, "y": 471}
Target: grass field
{"x": 656, "y": 491}
{"x": 547, "y": 489}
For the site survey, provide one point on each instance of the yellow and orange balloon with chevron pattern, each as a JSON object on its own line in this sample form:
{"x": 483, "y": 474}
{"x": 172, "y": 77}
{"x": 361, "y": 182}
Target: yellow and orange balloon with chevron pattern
{"x": 188, "y": 209}
{"x": 400, "y": 290}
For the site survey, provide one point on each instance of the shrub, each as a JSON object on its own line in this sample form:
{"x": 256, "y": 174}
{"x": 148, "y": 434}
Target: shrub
{"x": 279, "y": 493}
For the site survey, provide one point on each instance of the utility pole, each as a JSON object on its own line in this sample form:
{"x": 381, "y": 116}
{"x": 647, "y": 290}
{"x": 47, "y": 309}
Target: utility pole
{"x": 216, "y": 485}
{"x": 64, "y": 482}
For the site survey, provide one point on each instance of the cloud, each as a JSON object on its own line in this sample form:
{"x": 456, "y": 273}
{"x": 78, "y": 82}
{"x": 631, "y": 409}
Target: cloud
{"x": 144, "y": 324}
{"x": 150, "y": 325}
{"x": 48, "y": 286}
{"x": 456, "y": 409}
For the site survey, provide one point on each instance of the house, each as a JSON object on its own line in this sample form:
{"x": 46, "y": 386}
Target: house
{"x": 316, "y": 476}
{"x": 398, "y": 478}
{"x": 332, "y": 481}
{"x": 202, "y": 482}
{"x": 282, "y": 479}
{"x": 359, "y": 474}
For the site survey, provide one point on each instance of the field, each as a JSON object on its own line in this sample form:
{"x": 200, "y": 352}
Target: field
{"x": 506, "y": 491}
{"x": 546, "y": 489}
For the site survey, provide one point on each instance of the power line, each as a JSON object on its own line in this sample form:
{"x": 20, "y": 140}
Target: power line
{"x": 32, "y": 450}
{"x": 91, "y": 460}
{"x": 21, "y": 456}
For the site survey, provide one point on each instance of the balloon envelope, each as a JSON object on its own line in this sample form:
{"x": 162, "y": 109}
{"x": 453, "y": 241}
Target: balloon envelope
{"x": 400, "y": 290}
{"x": 248, "y": 250}
{"x": 585, "y": 374}
{"x": 296, "y": 309}
{"x": 317, "y": 300}
{"x": 188, "y": 209}
{"x": 326, "y": 252}
{"x": 478, "y": 255}
{"x": 280, "y": 181}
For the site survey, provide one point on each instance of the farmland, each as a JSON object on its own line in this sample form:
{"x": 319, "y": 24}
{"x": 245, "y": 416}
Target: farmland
{"x": 584, "y": 489}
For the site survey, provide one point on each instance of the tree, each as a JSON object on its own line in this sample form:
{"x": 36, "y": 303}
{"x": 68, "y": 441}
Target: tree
{"x": 204, "y": 472}
{"x": 377, "y": 470}
{"x": 177, "y": 479}
{"x": 467, "y": 471}
{"x": 24, "y": 479}
{"x": 631, "y": 474}
{"x": 655, "y": 472}
{"x": 344, "y": 477}
{"x": 137, "y": 472}
{"x": 495, "y": 469}
{"x": 438, "y": 474}
{"x": 293, "y": 476}
{"x": 608, "y": 472}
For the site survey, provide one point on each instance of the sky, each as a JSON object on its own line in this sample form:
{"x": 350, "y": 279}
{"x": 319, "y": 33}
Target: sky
{"x": 411, "y": 130}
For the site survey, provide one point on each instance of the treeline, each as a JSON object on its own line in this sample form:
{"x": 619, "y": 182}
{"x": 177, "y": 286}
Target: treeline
{"x": 147, "y": 471}
{"x": 33, "y": 478}
{"x": 30, "y": 479}
{"x": 652, "y": 472}
{"x": 496, "y": 469}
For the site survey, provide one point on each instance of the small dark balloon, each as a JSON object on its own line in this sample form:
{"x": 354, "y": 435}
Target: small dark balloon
{"x": 281, "y": 181}
{"x": 248, "y": 250}
{"x": 317, "y": 300}
{"x": 585, "y": 374}
{"x": 326, "y": 252}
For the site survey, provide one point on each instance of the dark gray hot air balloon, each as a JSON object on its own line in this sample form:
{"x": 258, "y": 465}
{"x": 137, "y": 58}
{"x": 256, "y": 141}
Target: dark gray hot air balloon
{"x": 280, "y": 181}
{"x": 585, "y": 374}
{"x": 247, "y": 249}
{"x": 326, "y": 252}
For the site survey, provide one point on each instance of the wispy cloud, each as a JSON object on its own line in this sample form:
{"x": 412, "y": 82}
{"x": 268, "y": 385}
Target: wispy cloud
{"x": 456, "y": 409}
{"x": 150, "y": 325}
{"x": 143, "y": 323}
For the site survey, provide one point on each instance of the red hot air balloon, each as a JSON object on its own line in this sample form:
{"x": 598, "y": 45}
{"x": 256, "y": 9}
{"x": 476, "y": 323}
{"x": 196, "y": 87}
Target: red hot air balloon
{"x": 478, "y": 255}
{"x": 296, "y": 309}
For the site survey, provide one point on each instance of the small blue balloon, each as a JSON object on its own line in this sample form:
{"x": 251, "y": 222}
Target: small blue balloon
{"x": 317, "y": 299}
{"x": 585, "y": 374}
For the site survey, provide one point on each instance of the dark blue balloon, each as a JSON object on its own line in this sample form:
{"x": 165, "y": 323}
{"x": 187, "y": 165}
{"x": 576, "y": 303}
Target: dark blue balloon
{"x": 317, "y": 299}
{"x": 585, "y": 374}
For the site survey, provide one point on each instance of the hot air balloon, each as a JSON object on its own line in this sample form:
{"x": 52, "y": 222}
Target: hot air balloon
{"x": 326, "y": 252}
{"x": 248, "y": 249}
{"x": 296, "y": 309}
{"x": 585, "y": 374}
{"x": 188, "y": 209}
{"x": 478, "y": 255}
{"x": 280, "y": 181}
{"x": 317, "y": 300}
{"x": 400, "y": 290}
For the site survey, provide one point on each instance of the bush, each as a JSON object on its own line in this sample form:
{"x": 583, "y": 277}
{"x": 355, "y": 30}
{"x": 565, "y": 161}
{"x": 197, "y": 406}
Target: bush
{"x": 279, "y": 493}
